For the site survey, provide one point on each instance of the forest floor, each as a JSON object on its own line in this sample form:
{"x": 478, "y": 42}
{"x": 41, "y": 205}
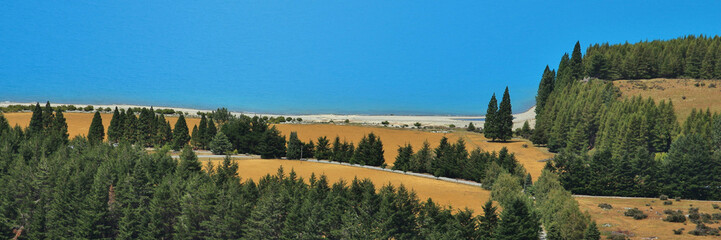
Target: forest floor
{"x": 686, "y": 94}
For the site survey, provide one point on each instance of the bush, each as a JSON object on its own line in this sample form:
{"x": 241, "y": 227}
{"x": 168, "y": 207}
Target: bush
{"x": 678, "y": 199}
{"x": 663, "y": 197}
{"x": 712, "y": 85}
{"x": 617, "y": 236}
{"x": 674, "y": 216}
{"x": 716, "y": 216}
{"x": 524, "y": 145}
{"x": 385, "y": 123}
{"x": 678, "y": 231}
{"x": 605, "y": 206}
{"x": 715, "y": 206}
{"x": 667, "y": 202}
{"x": 703, "y": 230}
{"x": 635, "y": 213}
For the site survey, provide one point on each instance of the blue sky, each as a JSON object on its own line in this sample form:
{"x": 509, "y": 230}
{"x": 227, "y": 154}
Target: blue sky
{"x": 401, "y": 57}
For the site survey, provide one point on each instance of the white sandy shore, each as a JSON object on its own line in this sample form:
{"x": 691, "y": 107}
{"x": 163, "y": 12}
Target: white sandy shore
{"x": 394, "y": 120}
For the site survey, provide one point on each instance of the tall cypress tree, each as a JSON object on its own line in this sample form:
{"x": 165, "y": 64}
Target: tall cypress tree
{"x": 490, "y": 126}
{"x": 195, "y": 137}
{"x": 36, "y": 121}
{"x": 203, "y": 137}
{"x": 293, "y": 150}
{"x": 212, "y": 130}
{"x": 130, "y": 123}
{"x": 115, "y": 127}
{"x": 48, "y": 117}
{"x": 97, "y": 131}
{"x": 504, "y": 118}
{"x": 564, "y": 73}
{"x": 180, "y": 133}
{"x": 544, "y": 89}
{"x": 576, "y": 63}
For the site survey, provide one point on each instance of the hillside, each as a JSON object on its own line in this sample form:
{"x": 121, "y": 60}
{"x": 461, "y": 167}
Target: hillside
{"x": 686, "y": 94}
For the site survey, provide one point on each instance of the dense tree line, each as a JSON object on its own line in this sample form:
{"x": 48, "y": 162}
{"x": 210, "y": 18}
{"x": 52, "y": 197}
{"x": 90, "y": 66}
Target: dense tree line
{"x": 369, "y": 151}
{"x": 629, "y": 147}
{"x": 454, "y": 161}
{"x": 81, "y": 190}
{"x": 684, "y": 57}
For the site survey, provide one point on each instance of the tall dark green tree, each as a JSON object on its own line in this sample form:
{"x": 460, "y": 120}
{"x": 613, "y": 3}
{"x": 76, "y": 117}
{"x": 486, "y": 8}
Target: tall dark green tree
{"x": 48, "y": 117}
{"x": 403, "y": 160}
{"x": 490, "y": 126}
{"x": 504, "y": 118}
{"x": 96, "y": 134}
{"x": 36, "y": 121}
{"x": 203, "y": 137}
{"x": 130, "y": 128}
{"x": 544, "y": 88}
{"x": 518, "y": 222}
{"x": 165, "y": 132}
{"x": 181, "y": 135}
{"x": 489, "y": 221}
{"x": 115, "y": 130}
{"x": 576, "y": 63}
{"x": 322, "y": 150}
{"x": 60, "y": 126}
{"x": 592, "y": 232}
{"x": 370, "y": 151}
{"x": 212, "y": 130}
{"x": 295, "y": 146}
{"x": 271, "y": 144}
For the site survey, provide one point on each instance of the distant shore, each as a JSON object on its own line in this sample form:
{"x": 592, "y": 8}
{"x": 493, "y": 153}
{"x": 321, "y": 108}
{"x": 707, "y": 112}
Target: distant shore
{"x": 393, "y": 120}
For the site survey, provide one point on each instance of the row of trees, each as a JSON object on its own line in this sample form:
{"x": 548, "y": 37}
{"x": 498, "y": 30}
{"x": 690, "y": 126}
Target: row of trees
{"x": 690, "y": 57}
{"x": 369, "y": 151}
{"x": 203, "y": 133}
{"x": 98, "y": 191}
{"x": 498, "y": 124}
{"x": 454, "y": 161}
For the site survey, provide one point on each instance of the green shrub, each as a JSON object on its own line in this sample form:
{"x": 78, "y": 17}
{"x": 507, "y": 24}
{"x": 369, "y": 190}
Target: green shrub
{"x": 703, "y": 230}
{"x": 678, "y": 199}
{"x": 674, "y": 216}
{"x": 663, "y": 197}
{"x": 635, "y": 213}
{"x": 667, "y": 202}
{"x": 678, "y": 231}
{"x": 715, "y": 206}
{"x": 605, "y": 206}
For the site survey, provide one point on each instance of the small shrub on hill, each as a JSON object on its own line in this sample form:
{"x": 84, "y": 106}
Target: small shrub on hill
{"x": 605, "y": 206}
{"x": 663, "y": 197}
{"x": 678, "y": 199}
{"x": 667, "y": 202}
{"x": 678, "y": 231}
{"x": 635, "y": 213}
{"x": 715, "y": 206}
{"x": 674, "y": 216}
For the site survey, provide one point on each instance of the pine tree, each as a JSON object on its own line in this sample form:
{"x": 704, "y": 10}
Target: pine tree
{"x": 48, "y": 117}
{"x": 709, "y": 62}
{"x": 97, "y": 131}
{"x": 195, "y": 137}
{"x": 403, "y": 160}
{"x": 504, "y": 118}
{"x": 322, "y": 152}
{"x": 490, "y": 126}
{"x": 165, "y": 132}
{"x": 203, "y": 137}
{"x": 271, "y": 144}
{"x": 544, "y": 89}
{"x": 146, "y": 127}
{"x": 220, "y": 144}
{"x": 130, "y": 128}
{"x": 576, "y": 63}
{"x": 60, "y": 125}
{"x": 489, "y": 221}
{"x": 591, "y": 232}
{"x": 36, "y": 121}
{"x": 189, "y": 164}
{"x": 115, "y": 127}
{"x": 4, "y": 125}
{"x": 180, "y": 133}
{"x": 564, "y": 75}
{"x": 212, "y": 130}
{"x": 518, "y": 222}
{"x": 294, "y": 146}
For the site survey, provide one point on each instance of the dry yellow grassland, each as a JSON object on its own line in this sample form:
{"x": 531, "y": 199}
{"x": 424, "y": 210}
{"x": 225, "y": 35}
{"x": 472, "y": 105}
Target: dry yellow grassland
{"x": 702, "y": 96}
{"x": 653, "y": 226}
{"x": 79, "y": 123}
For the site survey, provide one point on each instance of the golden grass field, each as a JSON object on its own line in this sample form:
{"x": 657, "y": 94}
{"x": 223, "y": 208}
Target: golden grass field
{"x": 392, "y": 138}
{"x": 702, "y": 97}
{"x": 79, "y": 123}
{"x": 653, "y": 226}
{"x": 457, "y": 195}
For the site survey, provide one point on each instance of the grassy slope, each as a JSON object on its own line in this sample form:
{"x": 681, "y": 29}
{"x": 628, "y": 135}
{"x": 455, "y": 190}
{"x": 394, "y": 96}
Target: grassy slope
{"x": 653, "y": 226}
{"x": 701, "y": 97}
